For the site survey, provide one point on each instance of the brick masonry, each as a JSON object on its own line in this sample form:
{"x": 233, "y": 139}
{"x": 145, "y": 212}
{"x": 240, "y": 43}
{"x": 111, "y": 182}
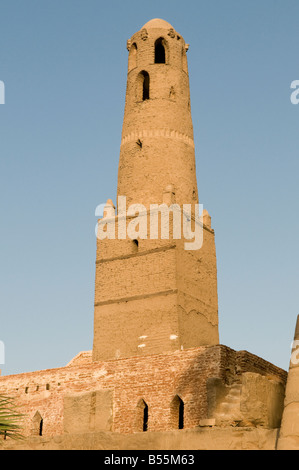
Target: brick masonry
{"x": 156, "y": 379}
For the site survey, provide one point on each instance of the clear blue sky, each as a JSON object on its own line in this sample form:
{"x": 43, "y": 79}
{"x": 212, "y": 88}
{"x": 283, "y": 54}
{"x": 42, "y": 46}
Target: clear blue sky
{"x": 64, "y": 66}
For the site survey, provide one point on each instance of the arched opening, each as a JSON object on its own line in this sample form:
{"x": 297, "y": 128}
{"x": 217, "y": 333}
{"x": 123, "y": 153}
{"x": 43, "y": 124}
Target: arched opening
{"x": 143, "y": 86}
{"x": 181, "y": 414}
{"x": 145, "y": 418}
{"x": 142, "y": 416}
{"x": 177, "y": 409}
{"x": 160, "y": 51}
{"x": 41, "y": 427}
{"x": 145, "y": 91}
{"x": 135, "y": 244}
{"x": 184, "y": 60}
{"x": 132, "y": 63}
{"x": 37, "y": 425}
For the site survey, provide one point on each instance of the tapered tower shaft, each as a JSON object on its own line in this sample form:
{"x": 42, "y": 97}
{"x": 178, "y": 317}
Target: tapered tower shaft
{"x": 152, "y": 296}
{"x": 157, "y": 146}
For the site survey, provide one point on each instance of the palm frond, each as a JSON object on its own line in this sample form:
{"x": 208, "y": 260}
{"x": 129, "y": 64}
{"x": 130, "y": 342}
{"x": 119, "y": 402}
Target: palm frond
{"x": 10, "y": 419}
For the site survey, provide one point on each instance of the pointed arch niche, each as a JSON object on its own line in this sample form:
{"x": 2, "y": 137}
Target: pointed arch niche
{"x": 141, "y": 422}
{"x": 143, "y": 86}
{"x": 161, "y": 51}
{"x": 177, "y": 411}
{"x": 132, "y": 62}
{"x": 37, "y": 425}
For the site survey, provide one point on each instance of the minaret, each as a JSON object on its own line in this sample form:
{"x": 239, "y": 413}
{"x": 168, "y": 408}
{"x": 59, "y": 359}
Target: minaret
{"x": 157, "y": 147}
{"x": 289, "y": 431}
{"x": 152, "y": 295}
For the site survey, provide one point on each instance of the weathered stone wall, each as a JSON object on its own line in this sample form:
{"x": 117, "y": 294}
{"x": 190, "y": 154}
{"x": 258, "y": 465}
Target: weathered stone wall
{"x": 157, "y": 297}
{"x": 156, "y": 379}
{"x": 202, "y": 438}
{"x": 197, "y": 292}
{"x": 87, "y": 412}
{"x": 255, "y": 400}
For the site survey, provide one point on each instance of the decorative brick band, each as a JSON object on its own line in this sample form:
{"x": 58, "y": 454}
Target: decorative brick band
{"x": 135, "y": 255}
{"x": 136, "y": 297}
{"x": 167, "y": 133}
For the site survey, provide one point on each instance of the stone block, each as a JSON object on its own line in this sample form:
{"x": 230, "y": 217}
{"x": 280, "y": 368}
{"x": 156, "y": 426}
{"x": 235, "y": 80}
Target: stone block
{"x": 88, "y": 412}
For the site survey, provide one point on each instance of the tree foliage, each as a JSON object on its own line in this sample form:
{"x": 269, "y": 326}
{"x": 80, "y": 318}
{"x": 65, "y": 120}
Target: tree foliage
{"x": 10, "y": 419}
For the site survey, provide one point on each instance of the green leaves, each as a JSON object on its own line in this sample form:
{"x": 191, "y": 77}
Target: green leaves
{"x": 10, "y": 419}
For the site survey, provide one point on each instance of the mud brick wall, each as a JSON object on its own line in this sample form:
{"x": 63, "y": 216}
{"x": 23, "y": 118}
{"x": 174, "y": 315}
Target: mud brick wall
{"x": 247, "y": 362}
{"x": 156, "y": 380}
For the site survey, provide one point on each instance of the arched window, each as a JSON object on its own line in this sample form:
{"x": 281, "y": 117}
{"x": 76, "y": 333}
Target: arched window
{"x": 132, "y": 57}
{"x": 37, "y": 425}
{"x": 141, "y": 416}
{"x": 145, "y": 418}
{"x": 143, "y": 86}
{"x": 177, "y": 413}
{"x": 184, "y": 60}
{"x": 160, "y": 51}
{"x": 135, "y": 245}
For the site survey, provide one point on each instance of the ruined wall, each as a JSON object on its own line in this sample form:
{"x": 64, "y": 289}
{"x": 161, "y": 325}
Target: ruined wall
{"x": 202, "y": 438}
{"x": 156, "y": 379}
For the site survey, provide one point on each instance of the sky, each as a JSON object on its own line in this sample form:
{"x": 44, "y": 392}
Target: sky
{"x": 64, "y": 66}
